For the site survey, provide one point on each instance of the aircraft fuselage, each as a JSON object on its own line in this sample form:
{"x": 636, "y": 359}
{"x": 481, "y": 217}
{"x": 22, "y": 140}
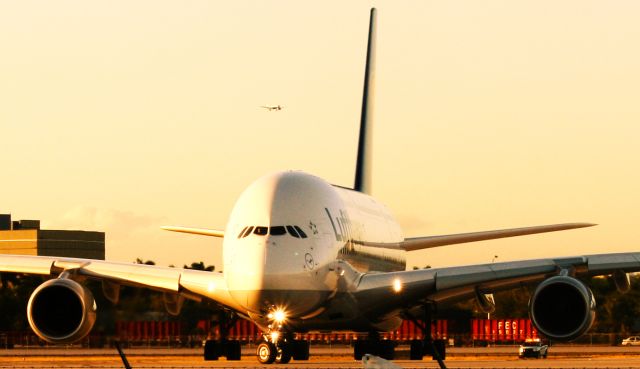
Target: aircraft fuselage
{"x": 288, "y": 237}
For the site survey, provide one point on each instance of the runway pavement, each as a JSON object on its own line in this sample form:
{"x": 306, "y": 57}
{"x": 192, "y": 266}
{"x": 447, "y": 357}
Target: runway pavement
{"x": 322, "y": 357}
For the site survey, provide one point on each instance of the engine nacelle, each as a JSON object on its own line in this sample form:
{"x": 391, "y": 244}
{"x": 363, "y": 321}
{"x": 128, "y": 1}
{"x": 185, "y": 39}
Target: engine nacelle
{"x": 562, "y": 308}
{"x": 61, "y": 311}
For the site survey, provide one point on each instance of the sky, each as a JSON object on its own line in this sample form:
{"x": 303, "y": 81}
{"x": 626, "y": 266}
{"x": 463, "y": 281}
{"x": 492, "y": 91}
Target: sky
{"x": 123, "y": 116}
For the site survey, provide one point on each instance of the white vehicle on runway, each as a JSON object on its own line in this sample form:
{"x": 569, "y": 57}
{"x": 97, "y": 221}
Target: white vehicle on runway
{"x": 631, "y": 341}
{"x": 301, "y": 254}
{"x": 533, "y": 348}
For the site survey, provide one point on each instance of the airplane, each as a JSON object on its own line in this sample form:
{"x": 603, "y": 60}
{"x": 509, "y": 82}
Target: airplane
{"x": 270, "y": 108}
{"x": 301, "y": 254}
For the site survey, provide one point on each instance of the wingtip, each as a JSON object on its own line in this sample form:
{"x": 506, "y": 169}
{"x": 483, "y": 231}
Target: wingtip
{"x": 584, "y": 225}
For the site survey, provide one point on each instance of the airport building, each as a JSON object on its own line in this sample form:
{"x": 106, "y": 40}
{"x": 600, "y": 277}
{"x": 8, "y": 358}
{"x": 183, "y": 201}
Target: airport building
{"x": 24, "y": 237}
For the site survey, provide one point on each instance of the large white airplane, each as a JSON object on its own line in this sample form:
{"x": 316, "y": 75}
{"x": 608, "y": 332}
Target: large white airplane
{"x": 301, "y": 254}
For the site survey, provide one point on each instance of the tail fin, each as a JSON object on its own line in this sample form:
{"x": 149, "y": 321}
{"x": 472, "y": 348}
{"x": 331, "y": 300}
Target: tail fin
{"x": 363, "y": 165}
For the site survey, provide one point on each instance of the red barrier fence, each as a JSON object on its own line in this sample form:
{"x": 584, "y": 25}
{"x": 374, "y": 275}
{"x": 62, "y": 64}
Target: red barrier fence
{"x": 502, "y": 330}
{"x": 247, "y": 331}
{"x": 489, "y": 330}
{"x": 148, "y": 330}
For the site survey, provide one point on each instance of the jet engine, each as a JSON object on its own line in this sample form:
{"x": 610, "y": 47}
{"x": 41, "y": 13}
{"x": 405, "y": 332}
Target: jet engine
{"x": 562, "y": 308}
{"x": 61, "y": 311}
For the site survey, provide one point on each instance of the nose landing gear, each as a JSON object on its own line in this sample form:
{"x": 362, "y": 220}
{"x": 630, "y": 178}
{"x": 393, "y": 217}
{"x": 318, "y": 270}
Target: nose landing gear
{"x": 267, "y": 352}
{"x": 281, "y": 349}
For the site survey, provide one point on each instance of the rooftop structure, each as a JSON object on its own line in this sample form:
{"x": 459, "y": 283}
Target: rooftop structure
{"x": 24, "y": 237}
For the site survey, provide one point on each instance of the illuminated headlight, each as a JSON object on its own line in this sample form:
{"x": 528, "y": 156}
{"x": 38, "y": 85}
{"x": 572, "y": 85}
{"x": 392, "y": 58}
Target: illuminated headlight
{"x": 278, "y": 316}
{"x": 521, "y": 350}
{"x": 275, "y": 336}
{"x": 397, "y": 285}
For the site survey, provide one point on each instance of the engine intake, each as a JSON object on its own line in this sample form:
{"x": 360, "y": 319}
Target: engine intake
{"x": 61, "y": 311}
{"x": 562, "y": 308}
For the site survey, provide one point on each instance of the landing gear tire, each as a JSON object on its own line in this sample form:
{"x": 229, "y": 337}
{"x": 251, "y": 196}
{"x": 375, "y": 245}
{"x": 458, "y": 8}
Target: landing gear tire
{"x": 386, "y": 349}
{"x": 283, "y": 355}
{"x": 300, "y": 350}
{"x": 441, "y": 349}
{"x": 266, "y": 353}
{"x": 360, "y": 348}
{"x": 211, "y": 351}
{"x": 233, "y": 350}
{"x": 417, "y": 350}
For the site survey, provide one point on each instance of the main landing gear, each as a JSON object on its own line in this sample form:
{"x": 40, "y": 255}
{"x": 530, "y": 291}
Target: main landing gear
{"x": 281, "y": 350}
{"x": 214, "y": 349}
{"x": 428, "y": 346}
{"x": 230, "y": 349}
{"x": 419, "y": 348}
{"x": 375, "y": 346}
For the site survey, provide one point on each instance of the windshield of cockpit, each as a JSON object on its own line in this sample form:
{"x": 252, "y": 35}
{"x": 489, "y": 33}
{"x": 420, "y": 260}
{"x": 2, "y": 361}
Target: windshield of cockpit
{"x": 292, "y": 230}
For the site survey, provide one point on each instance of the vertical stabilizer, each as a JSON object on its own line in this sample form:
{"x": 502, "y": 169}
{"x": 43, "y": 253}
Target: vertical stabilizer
{"x": 363, "y": 165}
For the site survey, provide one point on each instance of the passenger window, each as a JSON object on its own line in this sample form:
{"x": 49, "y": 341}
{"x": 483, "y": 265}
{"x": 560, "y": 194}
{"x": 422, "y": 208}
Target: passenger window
{"x": 248, "y": 232}
{"x": 293, "y": 232}
{"x": 277, "y": 231}
{"x": 261, "y": 231}
{"x": 241, "y": 234}
{"x": 300, "y": 232}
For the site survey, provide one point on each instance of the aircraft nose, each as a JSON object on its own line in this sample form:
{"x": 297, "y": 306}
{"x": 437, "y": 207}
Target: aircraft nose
{"x": 245, "y": 274}
{"x": 258, "y": 278}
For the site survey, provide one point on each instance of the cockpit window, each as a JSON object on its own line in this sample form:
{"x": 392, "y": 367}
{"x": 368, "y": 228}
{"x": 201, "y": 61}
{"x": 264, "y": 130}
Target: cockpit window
{"x": 277, "y": 231}
{"x": 241, "y": 234}
{"x": 261, "y": 231}
{"x": 300, "y": 232}
{"x": 247, "y": 232}
{"x": 293, "y": 232}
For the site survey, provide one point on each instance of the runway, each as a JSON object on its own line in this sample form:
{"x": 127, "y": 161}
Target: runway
{"x": 161, "y": 362}
{"x": 323, "y": 357}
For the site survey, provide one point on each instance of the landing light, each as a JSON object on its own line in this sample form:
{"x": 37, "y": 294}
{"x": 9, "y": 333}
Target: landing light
{"x": 397, "y": 285}
{"x": 278, "y": 315}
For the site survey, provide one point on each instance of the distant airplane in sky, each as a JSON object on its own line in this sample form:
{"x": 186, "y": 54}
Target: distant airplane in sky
{"x": 272, "y": 107}
{"x": 301, "y": 255}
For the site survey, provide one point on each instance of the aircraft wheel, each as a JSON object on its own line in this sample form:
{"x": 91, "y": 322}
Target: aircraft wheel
{"x": 210, "y": 350}
{"x": 417, "y": 350}
{"x": 283, "y": 355}
{"x": 359, "y": 349}
{"x": 386, "y": 349}
{"x": 233, "y": 350}
{"x": 266, "y": 353}
{"x": 300, "y": 350}
{"x": 441, "y": 348}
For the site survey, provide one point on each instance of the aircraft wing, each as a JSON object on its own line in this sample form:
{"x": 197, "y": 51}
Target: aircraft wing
{"x": 198, "y": 231}
{"x": 194, "y": 284}
{"x": 384, "y": 293}
{"x": 419, "y": 243}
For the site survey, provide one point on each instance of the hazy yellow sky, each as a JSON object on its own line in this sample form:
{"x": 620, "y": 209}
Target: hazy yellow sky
{"x": 123, "y": 116}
